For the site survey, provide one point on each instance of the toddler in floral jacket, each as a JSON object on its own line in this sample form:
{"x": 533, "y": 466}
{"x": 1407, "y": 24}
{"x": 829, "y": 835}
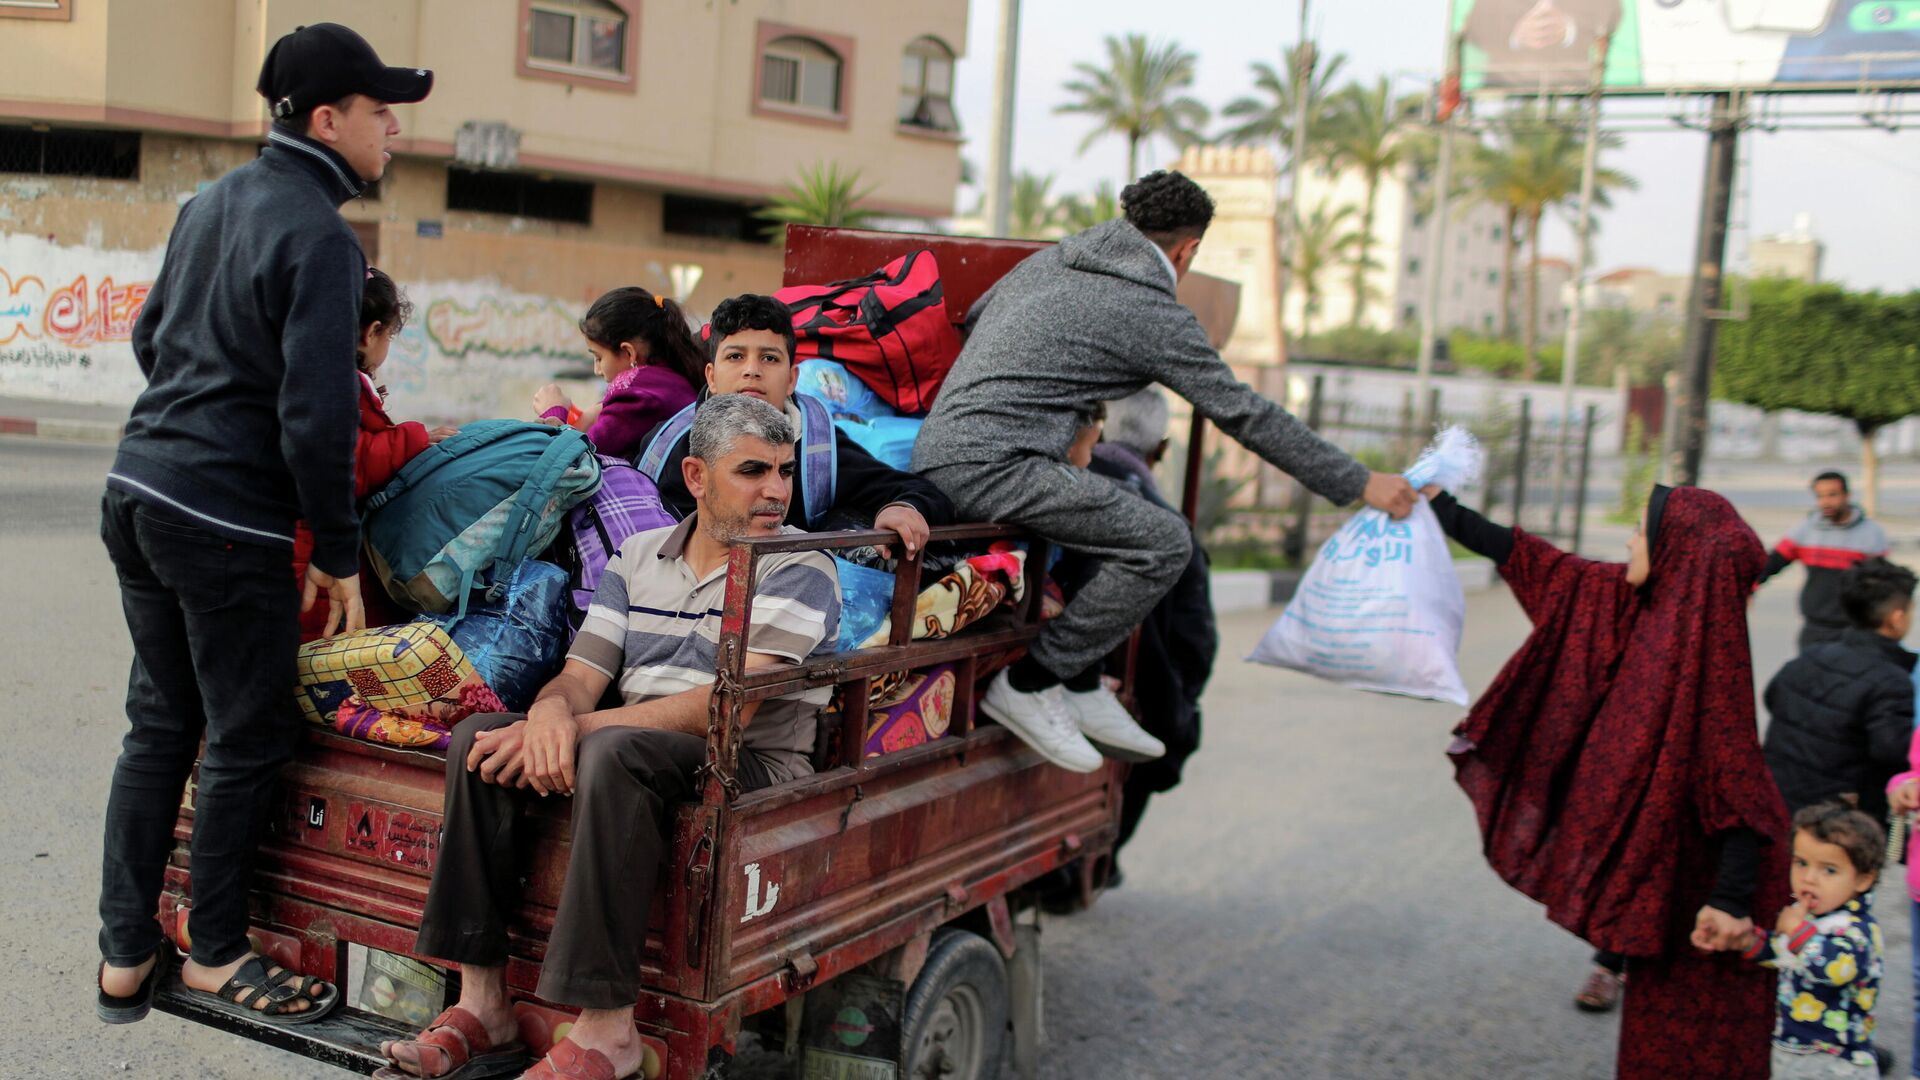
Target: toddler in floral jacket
{"x": 1827, "y": 947}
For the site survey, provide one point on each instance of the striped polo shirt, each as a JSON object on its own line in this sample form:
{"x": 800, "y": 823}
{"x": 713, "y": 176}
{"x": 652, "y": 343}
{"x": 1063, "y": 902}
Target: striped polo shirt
{"x": 654, "y": 628}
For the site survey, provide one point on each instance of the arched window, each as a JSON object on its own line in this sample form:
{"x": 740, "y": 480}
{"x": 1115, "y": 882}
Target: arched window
{"x": 926, "y": 85}
{"x": 799, "y": 72}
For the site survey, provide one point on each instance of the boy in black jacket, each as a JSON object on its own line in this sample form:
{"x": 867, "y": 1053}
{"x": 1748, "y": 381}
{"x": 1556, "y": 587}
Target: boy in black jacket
{"x": 1842, "y": 711}
{"x": 246, "y": 425}
{"x": 750, "y": 346}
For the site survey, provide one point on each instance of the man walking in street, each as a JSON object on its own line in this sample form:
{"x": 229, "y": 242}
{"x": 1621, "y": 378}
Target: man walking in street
{"x": 1094, "y": 318}
{"x": 247, "y": 424}
{"x": 1832, "y": 539}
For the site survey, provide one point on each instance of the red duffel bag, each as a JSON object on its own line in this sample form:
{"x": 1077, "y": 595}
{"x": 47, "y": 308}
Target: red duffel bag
{"x": 889, "y": 328}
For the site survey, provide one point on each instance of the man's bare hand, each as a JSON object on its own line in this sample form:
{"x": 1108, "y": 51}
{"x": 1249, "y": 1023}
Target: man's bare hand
{"x": 906, "y": 521}
{"x": 552, "y": 733}
{"x": 441, "y": 434}
{"x": 1390, "y": 492}
{"x": 499, "y": 755}
{"x": 346, "y": 612}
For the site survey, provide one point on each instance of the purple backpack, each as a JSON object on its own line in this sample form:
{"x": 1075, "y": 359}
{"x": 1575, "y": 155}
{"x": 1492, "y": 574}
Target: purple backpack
{"x": 627, "y": 503}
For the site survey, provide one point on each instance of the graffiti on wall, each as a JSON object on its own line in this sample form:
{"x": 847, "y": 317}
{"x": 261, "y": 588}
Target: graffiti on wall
{"x": 77, "y": 315}
{"x": 503, "y": 327}
{"x": 66, "y": 319}
{"x": 477, "y": 348}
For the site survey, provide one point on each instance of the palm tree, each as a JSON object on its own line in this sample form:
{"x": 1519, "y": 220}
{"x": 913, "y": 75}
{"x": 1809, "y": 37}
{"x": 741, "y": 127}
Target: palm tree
{"x": 1268, "y": 115}
{"x": 1362, "y": 133}
{"x": 820, "y": 195}
{"x": 1078, "y": 214}
{"x": 1030, "y": 212}
{"x": 1534, "y": 166}
{"x": 1322, "y": 240}
{"x": 1138, "y": 94}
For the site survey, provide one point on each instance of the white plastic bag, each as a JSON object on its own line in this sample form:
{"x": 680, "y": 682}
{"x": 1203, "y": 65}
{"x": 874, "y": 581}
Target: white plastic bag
{"x": 1381, "y": 607}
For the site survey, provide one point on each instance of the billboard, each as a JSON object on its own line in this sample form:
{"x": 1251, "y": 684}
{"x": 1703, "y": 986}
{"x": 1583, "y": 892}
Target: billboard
{"x": 1661, "y": 45}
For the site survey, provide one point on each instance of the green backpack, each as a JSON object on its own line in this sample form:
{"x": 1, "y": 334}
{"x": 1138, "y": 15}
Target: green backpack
{"x": 467, "y": 510}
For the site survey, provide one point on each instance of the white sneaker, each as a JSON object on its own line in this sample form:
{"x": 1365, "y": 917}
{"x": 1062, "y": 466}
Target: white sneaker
{"x": 1043, "y": 721}
{"x": 1107, "y": 725}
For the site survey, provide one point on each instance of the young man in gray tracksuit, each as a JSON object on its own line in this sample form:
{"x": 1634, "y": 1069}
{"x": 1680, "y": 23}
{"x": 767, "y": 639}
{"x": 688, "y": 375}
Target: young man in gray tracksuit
{"x": 1091, "y": 319}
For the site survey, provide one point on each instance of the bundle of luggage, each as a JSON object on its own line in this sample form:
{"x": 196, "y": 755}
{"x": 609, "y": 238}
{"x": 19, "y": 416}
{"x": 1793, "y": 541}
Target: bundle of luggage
{"x": 498, "y": 536}
{"x": 875, "y": 349}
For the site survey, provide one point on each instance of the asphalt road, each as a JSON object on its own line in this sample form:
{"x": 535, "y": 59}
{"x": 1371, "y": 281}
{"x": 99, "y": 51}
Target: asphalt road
{"x": 1311, "y": 904}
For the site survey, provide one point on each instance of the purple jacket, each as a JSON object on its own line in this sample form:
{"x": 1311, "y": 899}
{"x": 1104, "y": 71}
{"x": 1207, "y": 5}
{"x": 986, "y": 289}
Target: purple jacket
{"x": 638, "y": 400}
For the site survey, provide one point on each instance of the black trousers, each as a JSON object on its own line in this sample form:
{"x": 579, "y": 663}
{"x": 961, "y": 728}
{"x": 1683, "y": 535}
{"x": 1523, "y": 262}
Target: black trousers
{"x": 626, "y": 783}
{"x": 215, "y": 629}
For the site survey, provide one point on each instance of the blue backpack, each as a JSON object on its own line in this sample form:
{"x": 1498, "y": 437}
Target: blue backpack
{"x": 819, "y": 464}
{"x": 467, "y": 511}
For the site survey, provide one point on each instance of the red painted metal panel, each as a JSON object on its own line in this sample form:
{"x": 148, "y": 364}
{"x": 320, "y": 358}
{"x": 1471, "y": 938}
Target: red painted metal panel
{"x": 807, "y": 877}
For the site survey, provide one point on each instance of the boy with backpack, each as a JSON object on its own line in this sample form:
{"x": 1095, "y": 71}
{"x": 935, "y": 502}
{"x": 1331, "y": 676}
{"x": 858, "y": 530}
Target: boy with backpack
{"x": 750, "y": 344}
{"x": 1843, "y": 711}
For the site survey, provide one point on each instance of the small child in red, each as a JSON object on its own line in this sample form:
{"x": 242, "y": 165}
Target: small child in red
{"x": 383, "y": 446}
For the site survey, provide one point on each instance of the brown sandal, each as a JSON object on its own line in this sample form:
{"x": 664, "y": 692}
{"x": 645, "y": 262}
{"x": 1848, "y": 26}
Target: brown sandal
{"x": 1600, "y": 993}
{"x": 464, "y": 1050}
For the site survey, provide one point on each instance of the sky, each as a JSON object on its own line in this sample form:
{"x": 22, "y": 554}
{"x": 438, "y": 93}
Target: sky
{"x": 1857, "y": 184}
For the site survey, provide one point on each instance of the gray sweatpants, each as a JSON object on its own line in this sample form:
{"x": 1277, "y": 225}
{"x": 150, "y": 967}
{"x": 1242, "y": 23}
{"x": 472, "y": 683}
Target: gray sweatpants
{"x": 1141, "y": 549}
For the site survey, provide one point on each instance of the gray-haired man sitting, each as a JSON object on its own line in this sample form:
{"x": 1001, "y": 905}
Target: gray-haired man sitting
{"x": 652, "y": 629}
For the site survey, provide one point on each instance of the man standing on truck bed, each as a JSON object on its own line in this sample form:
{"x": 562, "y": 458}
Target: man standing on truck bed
{"x": 1093, "y": 318}
{"x": 653, "y": 630}
{"x": 247, "y": 424}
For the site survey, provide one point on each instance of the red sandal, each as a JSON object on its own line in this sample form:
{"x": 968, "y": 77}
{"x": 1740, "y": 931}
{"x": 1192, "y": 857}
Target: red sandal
{"x": 568, "y": 1061}
{"x": 464, "y": 1052}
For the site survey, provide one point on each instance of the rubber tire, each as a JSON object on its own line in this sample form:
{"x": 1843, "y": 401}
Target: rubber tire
{"x": 959, "y": 958}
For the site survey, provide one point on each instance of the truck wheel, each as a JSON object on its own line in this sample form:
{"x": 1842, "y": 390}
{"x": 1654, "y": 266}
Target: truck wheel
{"x": 955, "y": 1022}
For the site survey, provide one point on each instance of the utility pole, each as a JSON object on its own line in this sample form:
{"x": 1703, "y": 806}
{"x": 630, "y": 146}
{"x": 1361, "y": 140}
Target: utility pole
{"x": 1000, "y": 152}
{"x": 1684, "y": 453}
{"x": 1304, "y": 63}
{"x": 1430, "y": 328}
{"x": 1570, "y": 358}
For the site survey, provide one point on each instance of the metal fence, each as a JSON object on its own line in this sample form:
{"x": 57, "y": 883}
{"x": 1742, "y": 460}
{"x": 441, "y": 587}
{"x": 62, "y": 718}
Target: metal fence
{"x": 1250, "y": 511}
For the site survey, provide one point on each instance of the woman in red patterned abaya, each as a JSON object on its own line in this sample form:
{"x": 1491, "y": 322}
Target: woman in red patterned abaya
{"x": 1615, "y": 770}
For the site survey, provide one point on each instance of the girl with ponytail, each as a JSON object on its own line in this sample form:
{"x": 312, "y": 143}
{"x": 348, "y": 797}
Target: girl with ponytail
{"x": 642, "y": 346}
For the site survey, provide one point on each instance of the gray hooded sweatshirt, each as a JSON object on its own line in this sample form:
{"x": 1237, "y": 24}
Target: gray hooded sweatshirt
{"x": 1091, "y": 319}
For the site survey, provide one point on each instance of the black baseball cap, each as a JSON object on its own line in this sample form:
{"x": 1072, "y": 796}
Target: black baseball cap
{"x": 324, "y": 62}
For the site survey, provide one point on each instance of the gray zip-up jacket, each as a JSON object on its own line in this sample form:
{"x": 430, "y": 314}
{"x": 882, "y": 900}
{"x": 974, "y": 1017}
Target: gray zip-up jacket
{"x": 1091, "y": 319}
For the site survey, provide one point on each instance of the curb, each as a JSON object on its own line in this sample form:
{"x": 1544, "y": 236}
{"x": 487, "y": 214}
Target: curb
{"x": 91, "y": 431}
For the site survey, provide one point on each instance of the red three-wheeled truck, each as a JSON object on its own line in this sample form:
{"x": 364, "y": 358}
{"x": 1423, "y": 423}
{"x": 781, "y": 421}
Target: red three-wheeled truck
{"x": 874, "y": 920}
